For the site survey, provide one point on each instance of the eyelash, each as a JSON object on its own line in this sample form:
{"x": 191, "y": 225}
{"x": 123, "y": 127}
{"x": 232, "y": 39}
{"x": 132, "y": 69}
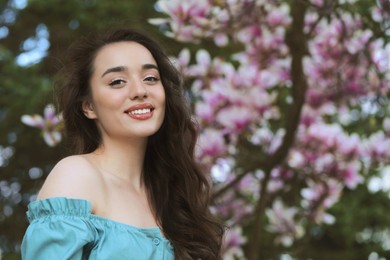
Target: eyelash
{"x": 120, "y": 82}
{"x": 152, "y": 78}
{"x": 116, "y": 82}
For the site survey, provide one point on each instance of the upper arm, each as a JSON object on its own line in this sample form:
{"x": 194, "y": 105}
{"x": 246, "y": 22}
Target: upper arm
{"x": 57, "y": 238}
{"x": 59, "y": 227}
{"x": 72, "y": 177}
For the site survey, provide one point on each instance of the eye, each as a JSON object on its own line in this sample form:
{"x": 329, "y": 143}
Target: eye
{"x": 117, "y": 83}
{"x": 151, "y": 79}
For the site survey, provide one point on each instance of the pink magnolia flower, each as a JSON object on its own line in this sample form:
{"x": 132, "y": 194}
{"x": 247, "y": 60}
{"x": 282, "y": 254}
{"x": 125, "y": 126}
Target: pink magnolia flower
{"x": 275, "y": 185}
{"x": 350, "y": 146}
{"x": 267, "y": 139}
{"x": 247, "y": 75}
{"x": 212, "y": 100}
{"x": 262, "y": 136}
{"x": 310, "y": 20}
{"x": 50, "y": 124}
{"x": 358, "y": 41}
{"x": 376, "y": 148}
{"x": 233, "y": 208}
{"x": 326, "y": 193}
{"x": 326, "y": 134}
{"x": 279, "y": 16}
{"x": 282, "y": 222}
{"x": 249, "y": 185}
{"x": 205, "y": 111}
{"x": 379, "y": 14}
{"x": 203, "y": 60}
{"x": 246, "y": 35}
{"x": 206, "y": 66}
{"x": 221, "y": 39}
{"x": 182, "y": 61}
{"x": 233, "y": 244}
{"x": 211, "y": 143}
{"x": 235, "y": 119}
{"x": 187, "y": 18}
{"x": 222, "y": 170}
{"x": 296, "y": 159}
{"x": 351, "y": 175}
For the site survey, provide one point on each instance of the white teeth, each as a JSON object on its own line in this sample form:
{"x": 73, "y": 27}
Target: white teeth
{"x": 140, "y": 111}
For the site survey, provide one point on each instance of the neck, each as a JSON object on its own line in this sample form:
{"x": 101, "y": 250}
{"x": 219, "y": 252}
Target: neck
{"x": 123, "y": 159}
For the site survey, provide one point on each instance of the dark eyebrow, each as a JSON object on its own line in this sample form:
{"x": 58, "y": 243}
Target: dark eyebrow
{"x": 123, "y": 68}
{"x": 149, "y": 66}
{"x": 114, "y": 69}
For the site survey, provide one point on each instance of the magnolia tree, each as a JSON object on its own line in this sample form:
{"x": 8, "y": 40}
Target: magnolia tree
{"x": 284, "y": 108}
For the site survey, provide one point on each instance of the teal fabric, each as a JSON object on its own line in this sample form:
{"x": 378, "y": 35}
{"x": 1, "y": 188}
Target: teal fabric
{"x": 63, "y": 228}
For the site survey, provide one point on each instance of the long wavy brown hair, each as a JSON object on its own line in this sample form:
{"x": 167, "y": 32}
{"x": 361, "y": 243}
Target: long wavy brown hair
{"x": 178, "y": 191}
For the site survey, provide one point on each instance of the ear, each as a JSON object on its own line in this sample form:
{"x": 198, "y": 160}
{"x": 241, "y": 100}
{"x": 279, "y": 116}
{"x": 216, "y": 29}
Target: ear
{"x": 88, "y": 110}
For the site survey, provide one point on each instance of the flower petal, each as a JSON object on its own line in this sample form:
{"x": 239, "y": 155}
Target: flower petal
{"x": 184, "y": 57}
{"x": 52, "y": 138}
{"x": 203, "y": 58}
{"x": 34, "y": 121}
{"x": 49, "y": 112}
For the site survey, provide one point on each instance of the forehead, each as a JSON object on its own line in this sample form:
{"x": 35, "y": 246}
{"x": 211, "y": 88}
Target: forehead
{"x": 125, "y": 53}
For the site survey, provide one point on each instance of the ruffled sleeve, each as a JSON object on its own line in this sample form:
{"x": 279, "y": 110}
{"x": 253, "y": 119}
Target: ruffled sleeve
{"x": 60, "y": 228}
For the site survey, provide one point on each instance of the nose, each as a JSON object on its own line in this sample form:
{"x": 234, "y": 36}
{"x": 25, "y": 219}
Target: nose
{"x": 138, "y": 90}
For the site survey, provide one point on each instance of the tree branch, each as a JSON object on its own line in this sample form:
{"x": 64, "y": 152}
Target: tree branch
{"x": 228, "y": 186}
{"x": 296, "y": 40}
{"x": 256, "y": 235}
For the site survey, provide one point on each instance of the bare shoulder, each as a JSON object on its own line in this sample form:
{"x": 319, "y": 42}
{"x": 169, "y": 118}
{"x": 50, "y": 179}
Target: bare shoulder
{"x": 72, "y": 177}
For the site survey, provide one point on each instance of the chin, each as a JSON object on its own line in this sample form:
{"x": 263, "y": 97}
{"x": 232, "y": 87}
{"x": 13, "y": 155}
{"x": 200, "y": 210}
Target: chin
{"x": 148, "y": 133}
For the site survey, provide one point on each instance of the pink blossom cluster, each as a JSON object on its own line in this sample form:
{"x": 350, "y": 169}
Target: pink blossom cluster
{"x": 193, "y": 20}
{"x": 381, "y": 15}
{"x": 196, "y": 13}
{"x": 233, "y": 241}
{"x": 344, "y": 62}
{"x": 283, "y": 222}
{"x": 328, "y": 152}
{"x": 321, "y": 196}
{"x": 377, "y": 148}
{"x": 236, "y": 204}
{"x": 245, "y": 95}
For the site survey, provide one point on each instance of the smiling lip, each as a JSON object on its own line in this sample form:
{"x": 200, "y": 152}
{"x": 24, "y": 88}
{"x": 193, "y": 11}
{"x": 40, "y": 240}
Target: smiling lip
{"x": 140, "y": 111}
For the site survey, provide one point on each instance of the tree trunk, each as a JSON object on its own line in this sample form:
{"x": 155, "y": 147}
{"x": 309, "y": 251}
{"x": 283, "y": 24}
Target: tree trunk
{"x": 297, "y": 42}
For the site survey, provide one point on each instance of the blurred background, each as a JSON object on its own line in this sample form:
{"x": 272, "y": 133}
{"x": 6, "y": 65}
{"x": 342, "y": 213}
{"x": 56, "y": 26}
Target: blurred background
{"x": 292, "y": 99}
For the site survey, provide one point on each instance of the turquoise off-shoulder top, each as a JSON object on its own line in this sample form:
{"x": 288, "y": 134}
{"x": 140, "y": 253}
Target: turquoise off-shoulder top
{"x": 63, "y": 228}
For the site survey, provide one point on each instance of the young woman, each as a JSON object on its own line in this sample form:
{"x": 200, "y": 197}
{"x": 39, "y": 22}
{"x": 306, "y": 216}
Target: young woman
{"x": 133, "y": 189}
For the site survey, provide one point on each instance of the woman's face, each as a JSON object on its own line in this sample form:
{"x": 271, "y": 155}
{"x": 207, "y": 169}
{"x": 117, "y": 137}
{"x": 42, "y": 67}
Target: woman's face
{"x": 127, "y": 96}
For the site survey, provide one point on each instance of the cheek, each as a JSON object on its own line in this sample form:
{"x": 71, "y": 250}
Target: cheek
{"x": 109, "y": 99}
{"x": 162, "y": 95}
